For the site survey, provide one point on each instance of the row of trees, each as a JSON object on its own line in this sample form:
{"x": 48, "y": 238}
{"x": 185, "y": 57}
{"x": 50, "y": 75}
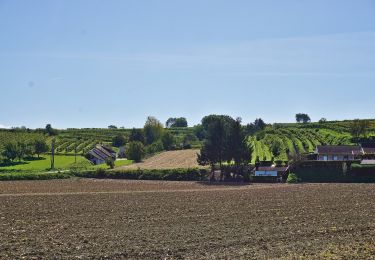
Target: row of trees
{"x": 225, "y": 141}
{"x": 22, "y": 149}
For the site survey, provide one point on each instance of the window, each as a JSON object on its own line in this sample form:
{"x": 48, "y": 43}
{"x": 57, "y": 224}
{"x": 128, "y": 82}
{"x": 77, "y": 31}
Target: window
{"x": 325, "y": 158}
{"x": 335, "y": 158}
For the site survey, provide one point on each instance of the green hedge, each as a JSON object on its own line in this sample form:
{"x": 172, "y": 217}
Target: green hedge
{"x": 32, "y": 176}
{"x": 193, "y": 174}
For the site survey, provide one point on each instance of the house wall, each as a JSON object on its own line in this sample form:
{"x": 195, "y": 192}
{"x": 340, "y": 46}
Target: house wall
{"x": 330, "y": 157}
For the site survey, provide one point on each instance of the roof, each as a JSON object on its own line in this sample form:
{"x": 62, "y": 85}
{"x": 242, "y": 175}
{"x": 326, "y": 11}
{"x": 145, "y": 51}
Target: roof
{"x": 100, "y": 153}
{"x": 339, "y": 149}
{"x": 368, "y": 148}
{"x": 372, "y": 162}
{"x": 108, "y": 149}
{"x": 271, "y": 168}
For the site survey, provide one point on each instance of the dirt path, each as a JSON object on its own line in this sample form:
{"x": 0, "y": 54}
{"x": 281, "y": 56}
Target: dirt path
{"x": 168, "y": 160}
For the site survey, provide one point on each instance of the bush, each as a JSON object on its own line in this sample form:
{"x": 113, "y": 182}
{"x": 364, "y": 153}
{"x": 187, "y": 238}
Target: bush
{"x": 155, "y": 147}
{"x": 292, "y": 178}
{"x": 32, "y": 176}
{"x": 135, "y": 151}
{"x": 192, "y": 174}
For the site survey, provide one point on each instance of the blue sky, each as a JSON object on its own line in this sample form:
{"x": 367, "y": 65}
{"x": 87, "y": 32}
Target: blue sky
{"x": 77, "y": 63}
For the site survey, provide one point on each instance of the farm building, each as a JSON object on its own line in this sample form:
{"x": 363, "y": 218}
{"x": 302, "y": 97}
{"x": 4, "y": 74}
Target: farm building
{"x": 100, "y": 154}
{"x": 275, "y": 172}
{"x": 338, "y": 152}
{"x": 368, "y": 148}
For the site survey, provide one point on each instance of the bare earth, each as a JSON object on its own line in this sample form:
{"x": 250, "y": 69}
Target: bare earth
{"x": 83, "y": 218}
{"x": 169, "y": 160}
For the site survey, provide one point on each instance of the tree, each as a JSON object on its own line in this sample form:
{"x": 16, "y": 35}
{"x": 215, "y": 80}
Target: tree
{"x": 259, "y": 124}
{"x": 49, "y": 130}
{"x": 188, "y": 138}
{"x": 153, "y": 130}
{"x": 118, "y": 140}
{"x": 135, "y": 151}
{"x": 10, "y": 151}
{"x": 322, "y": 120}
{"x": 303, "y": 118}
{"x": 168, "y": 140}
{"x": 240, "y": 152}
{"x": 137, "y": 135}
{"x": 199, "y": 132}
{"x": 40, "y": 146}
{"x": 110, "y": 162}
{"x": 359, "y": 128}
{"x": 112, "y": 127}
{"x": 176, "y": 122}
{"x": 215, "y": 147}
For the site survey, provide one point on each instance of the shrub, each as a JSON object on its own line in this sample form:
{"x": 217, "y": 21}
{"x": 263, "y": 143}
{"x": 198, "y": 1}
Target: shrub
{"x": 192, "y": 174}
{"x": 292, "y": 178}
{"x": 155, "y": 147}
{"x": 31, "y": 176}
{"x": 135, "y": 151}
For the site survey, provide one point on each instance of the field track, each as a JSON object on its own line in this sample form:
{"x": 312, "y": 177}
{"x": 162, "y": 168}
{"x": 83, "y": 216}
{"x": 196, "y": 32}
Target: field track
{"x": 168, "y": 160}
{"x": 85, "y": 219}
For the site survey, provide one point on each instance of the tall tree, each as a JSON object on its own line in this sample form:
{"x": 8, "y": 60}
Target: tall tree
{"x": 215, "y": 148}
{"x": 153, "y": 130}
{"x": 49, "y": 130}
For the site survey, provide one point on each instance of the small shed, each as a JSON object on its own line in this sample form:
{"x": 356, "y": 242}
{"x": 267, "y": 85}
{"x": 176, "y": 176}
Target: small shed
{"x": 270, "y": 173}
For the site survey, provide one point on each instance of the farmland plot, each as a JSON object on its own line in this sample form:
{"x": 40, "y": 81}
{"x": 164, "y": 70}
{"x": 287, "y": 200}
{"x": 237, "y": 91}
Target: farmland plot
{"x": 169, "y": 160}
{"x": 151, "y": 219}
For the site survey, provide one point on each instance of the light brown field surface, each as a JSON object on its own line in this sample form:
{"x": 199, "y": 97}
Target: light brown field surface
{"x": 115, "y": 219}
{"x": 168, "y": 160}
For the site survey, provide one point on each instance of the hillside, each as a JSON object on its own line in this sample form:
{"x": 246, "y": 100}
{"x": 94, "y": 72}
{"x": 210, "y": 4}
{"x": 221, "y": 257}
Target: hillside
{"x": 280, "y": 141}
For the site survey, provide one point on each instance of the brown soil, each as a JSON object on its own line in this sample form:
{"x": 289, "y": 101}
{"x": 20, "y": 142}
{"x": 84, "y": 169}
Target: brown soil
{"x": 151, "y": 219}
{"x": 168, "y": 160}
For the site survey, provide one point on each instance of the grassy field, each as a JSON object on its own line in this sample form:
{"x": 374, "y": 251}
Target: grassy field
{"x": 83, "y": 218}
{"x": 62, "y": 162}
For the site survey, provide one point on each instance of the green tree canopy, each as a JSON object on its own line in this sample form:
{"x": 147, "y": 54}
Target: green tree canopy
{"x": 303, "y": 118}
{"x": 176, "y": 122}
{"x": 152, "y": 129}
{"x": 135, "y": 151}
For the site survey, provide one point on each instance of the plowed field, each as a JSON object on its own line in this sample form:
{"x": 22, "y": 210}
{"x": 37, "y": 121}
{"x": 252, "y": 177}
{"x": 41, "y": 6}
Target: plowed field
{"x": 115, "y": 219}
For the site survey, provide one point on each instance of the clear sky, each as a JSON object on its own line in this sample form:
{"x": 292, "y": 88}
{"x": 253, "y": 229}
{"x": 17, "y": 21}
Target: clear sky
{"x": 78, "y": 63}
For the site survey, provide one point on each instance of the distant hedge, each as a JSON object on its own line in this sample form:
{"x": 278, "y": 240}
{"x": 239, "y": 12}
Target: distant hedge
{"x": 191, "y": 174}
{"x": 31, "y": 176}
{"x": 335, "y": 172}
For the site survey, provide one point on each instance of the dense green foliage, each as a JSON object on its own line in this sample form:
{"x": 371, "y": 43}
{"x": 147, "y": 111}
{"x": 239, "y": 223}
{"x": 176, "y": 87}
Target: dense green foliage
{"x": 292, "y": 178}
{"x": 135, "y": 151}
{"x": 176, "y": 122}
{"x": 142, "y": 174}
{"x": 32, "y": 176}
